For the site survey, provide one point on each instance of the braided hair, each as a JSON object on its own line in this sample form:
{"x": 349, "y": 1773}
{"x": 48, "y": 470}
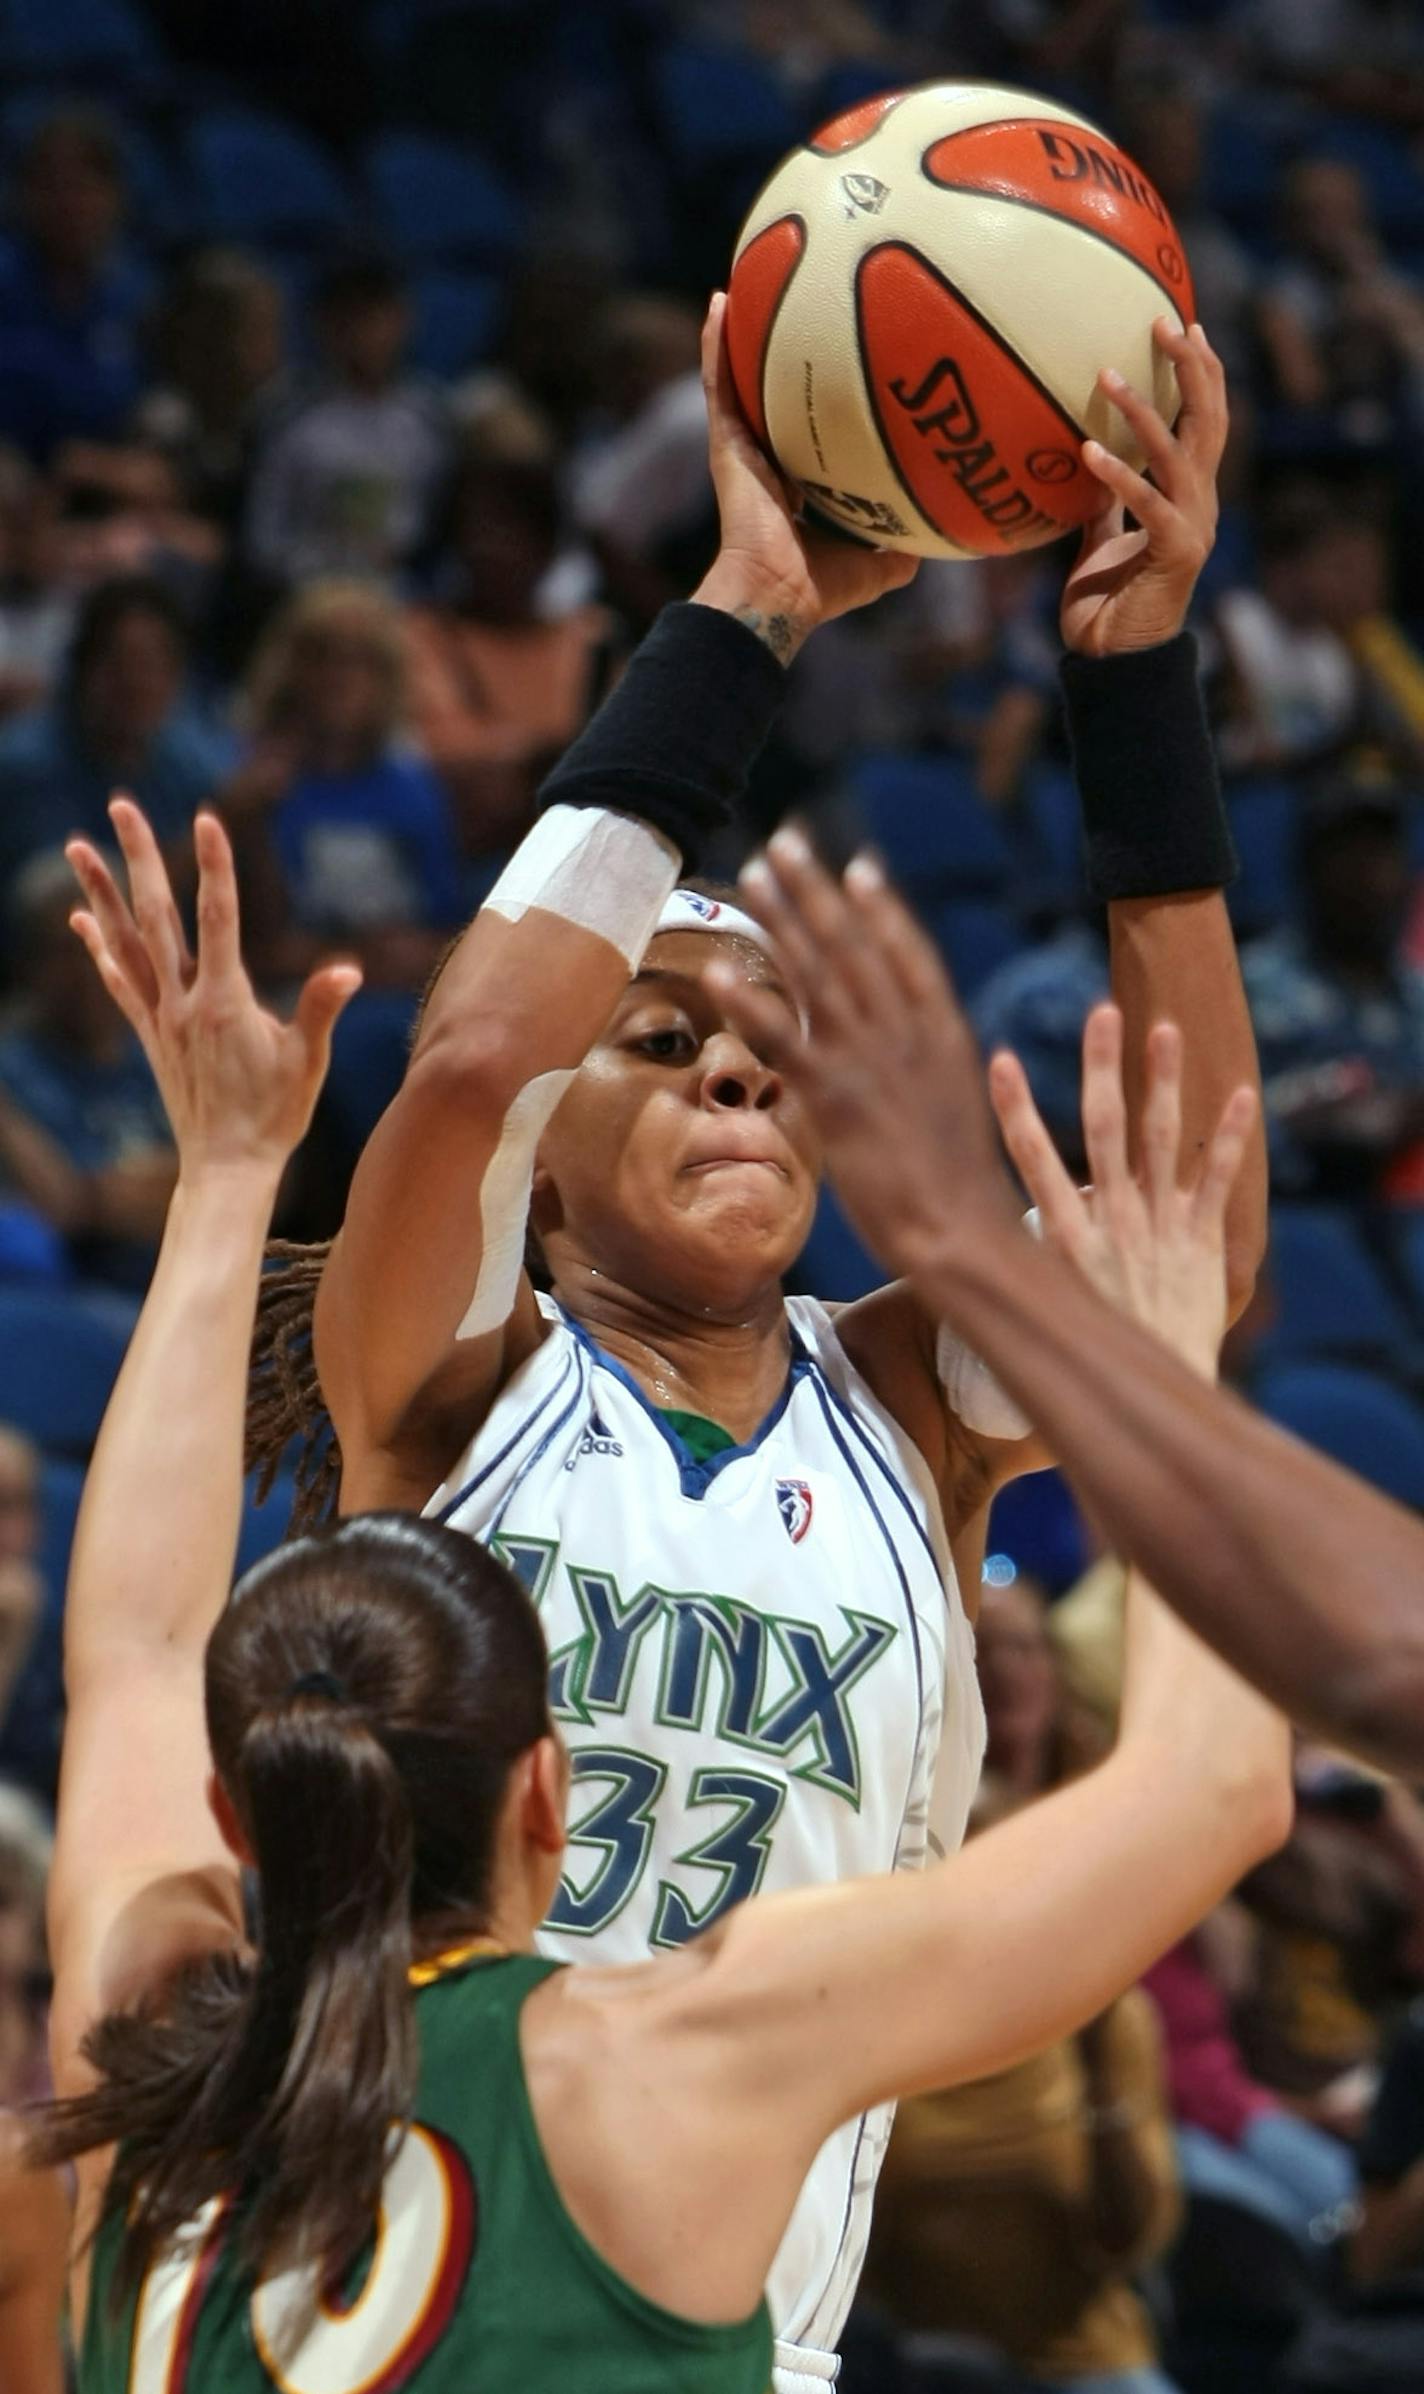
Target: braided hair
{"x": 284, "y": 1399}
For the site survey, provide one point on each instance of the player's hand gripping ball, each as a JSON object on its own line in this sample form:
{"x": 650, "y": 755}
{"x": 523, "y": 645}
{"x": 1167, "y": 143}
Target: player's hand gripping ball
{"x": 922, "y": 301}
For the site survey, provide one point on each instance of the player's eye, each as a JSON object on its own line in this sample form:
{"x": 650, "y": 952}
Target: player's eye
{"x": 672, "y": 1045}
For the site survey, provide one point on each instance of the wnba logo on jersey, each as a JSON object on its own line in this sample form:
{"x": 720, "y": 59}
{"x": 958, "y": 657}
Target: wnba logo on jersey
{"x": 794, "y": 1504}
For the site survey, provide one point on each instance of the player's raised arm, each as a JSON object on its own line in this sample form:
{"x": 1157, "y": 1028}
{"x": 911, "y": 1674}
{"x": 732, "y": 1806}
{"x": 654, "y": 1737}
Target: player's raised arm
{"x": 140, "y": 1873}
{"x": 1302, "y": 1577}
{"x": 1157, "y": 847}
{"x": 423, "y": 1306}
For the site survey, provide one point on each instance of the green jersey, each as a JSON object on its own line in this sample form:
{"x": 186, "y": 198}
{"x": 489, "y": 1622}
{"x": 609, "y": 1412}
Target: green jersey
{"x": 477, "y": 2276}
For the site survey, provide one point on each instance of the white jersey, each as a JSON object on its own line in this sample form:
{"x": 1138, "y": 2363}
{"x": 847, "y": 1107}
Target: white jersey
{"x": 761, "y": 1666}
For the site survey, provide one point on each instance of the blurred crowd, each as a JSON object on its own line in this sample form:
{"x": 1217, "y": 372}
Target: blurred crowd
{"x": 350, "y": 437}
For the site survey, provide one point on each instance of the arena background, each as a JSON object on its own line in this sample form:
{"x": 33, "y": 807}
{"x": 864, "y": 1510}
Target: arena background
{"x": 350, "y": 436}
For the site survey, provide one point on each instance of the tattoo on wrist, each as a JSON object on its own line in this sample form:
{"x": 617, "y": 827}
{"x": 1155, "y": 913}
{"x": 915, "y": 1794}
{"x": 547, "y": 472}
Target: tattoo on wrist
{"x": 782, "y": 634}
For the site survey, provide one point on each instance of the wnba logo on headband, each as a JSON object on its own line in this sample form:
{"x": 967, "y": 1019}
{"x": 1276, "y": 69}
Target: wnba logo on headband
{"x": 690, "y": 910}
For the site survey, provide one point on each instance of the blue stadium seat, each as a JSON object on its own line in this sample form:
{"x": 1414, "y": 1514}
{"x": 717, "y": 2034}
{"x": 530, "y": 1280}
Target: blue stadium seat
{"x": 60, "y": 1351}
{"x": 61, "y": 1486}
{"x": 1365, "y": 1423}
{"x": 1264, "y": 818}
{"x": 369, "y": 1049}
{"x": 1410, "y": 1236}
{"x": 1036, "y": 1523}
{"x": 438, "y": 202}
{"x": 29, "y": 1747}
{"x": 78, "y": 40}
{"x": 257, "y": 178}
{"x": 975, "y": 937}
{"x": 1247, "y": 142}
{"x": 1330, "y": 1296}
{"x": 457, "y": 318}
{"x": 927, "y": 818}
{"x": 1055, "y": 824}
{"x": 833, "y": 1265}
{"x": 30, "y": 1248}
{"x": 263, "y": 1526}
{"x": 719, "y": 103}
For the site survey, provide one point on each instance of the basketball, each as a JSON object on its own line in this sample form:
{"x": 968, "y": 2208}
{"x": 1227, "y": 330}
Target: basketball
{"x": 920, "y": 304}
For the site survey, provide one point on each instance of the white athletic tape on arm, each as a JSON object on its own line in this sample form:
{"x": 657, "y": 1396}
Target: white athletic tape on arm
{"x": 609, "y": 874}
{"x": 504, "y": 1203}
{"x": 978, "y": 1399}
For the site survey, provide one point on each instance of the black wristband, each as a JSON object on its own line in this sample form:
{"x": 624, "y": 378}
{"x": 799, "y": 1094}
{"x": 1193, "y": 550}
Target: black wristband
{"x": 675, "y": 741}
{"x": 1153, "y": 819}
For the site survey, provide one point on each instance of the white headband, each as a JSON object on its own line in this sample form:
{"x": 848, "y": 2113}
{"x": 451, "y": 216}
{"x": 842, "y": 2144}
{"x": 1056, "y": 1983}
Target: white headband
{"x": 688, "y": 910}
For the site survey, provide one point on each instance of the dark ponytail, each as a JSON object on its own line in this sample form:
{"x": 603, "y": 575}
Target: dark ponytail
{"x": 367, "y": 1691}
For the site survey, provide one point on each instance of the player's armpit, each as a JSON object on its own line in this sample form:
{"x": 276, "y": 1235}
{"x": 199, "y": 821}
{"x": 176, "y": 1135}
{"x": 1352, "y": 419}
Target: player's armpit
{"x": 900, "y": 1351}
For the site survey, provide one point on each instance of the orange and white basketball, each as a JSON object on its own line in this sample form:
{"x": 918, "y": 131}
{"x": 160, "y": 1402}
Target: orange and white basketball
{"x": 920, "y": 304}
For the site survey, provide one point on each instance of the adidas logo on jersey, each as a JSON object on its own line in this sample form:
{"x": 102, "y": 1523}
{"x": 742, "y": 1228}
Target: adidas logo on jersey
{"x": 794, "y": 1503}
{"x": 596, "y": 1440}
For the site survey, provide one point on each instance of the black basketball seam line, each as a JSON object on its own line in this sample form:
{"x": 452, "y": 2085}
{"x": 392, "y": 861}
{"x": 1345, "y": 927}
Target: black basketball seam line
{"x": 790, "y": 217}
{"x": 810, "y": 150}
{"x": 887, "y": 446}
{"x": 1074, "y": 429}
{"x": 1012, "y": 200}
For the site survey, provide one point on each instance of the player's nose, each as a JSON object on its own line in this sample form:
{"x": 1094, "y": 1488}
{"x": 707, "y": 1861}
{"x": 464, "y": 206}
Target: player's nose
{"x": 734, "y": 1078}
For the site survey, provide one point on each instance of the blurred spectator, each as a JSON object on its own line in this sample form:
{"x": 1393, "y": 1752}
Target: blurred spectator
{"x": 640, "y": 484}
{"x": 21, "y": 1589}
{"x": 804, "y": 39}
{"x": 1236, "y": 2141}
{"x": 1019, "y": 2209}
{"x": 36, "y": 2230}
{"x": 1162, "y": 128}
{"x": 503, "y": 672}
{"x": 1373, "y": 2343}
{"x": 35, "y": 2224}
{"x": 1339, "y": 1013}
{"x": 125, "y": 514}
{"x": 1337, "y": 1926}
{"x": 218, "y": 345}
{"x": 1343, "y": 330}
{"x": 25, "y": 1846}
{"x": 344, "y": 483}
{"x": 36, "y": 614}
{"x": 1037, "y": 1735}
{"x": 964, "y": 661}
{"x": 1366, "y": 55}
{"x": 343, "y": 836}
{"x": 70, "y": 303}
{"x": 1388, "y": 2241}
{"x": 118, "y": 720}
{"x": 1037, "y": 1004}
{"x": 1294, "y": 694}
{"x": 101, "y": 1165}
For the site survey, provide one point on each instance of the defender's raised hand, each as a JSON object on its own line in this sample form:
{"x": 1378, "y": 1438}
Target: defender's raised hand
{"x": 239, "y": 1086}
{"x": 886, "y": 1060}
{"x": 1152, "y": 1243}
{"x": 1131, "y": 589}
